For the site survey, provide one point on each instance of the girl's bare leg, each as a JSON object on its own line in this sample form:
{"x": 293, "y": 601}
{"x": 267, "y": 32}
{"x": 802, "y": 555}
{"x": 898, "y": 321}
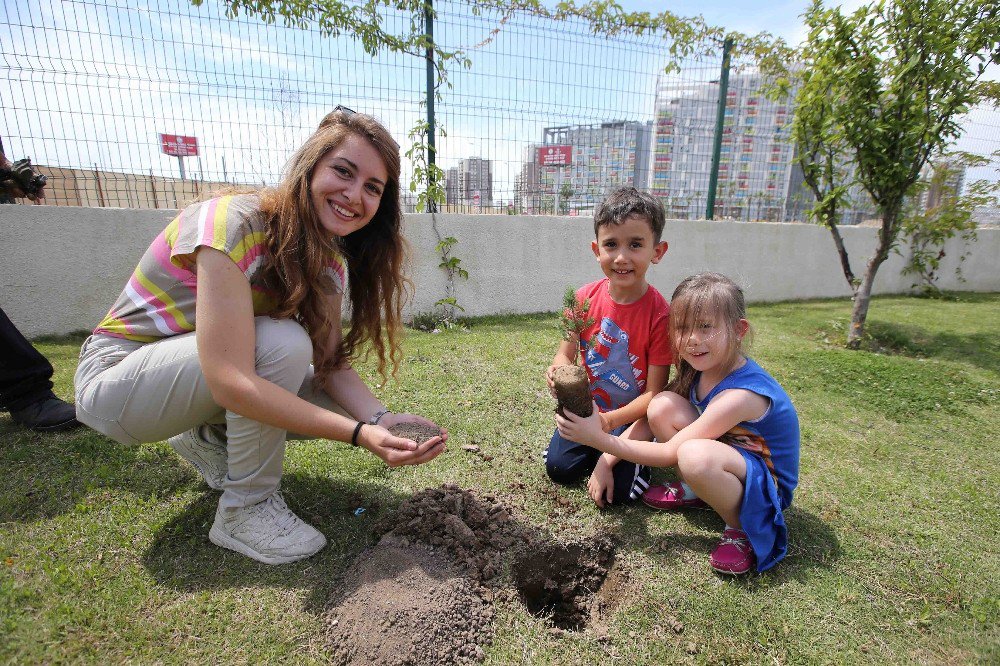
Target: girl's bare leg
{"x": 668, "y": 414}
{"x": 716, "y": 472}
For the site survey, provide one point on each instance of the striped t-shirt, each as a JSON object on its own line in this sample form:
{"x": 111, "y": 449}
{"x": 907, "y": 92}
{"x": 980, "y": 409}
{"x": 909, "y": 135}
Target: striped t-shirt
{"x": 159, "y": 299}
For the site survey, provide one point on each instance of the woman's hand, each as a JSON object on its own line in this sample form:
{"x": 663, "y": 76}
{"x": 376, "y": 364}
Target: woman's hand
{"x": 399, "y": 451}
{"x": 587, "y": 430}
{"x": 601, "y": 486}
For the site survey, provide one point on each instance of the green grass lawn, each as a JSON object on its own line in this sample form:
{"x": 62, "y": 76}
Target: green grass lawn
{"x": 105, "y": 558}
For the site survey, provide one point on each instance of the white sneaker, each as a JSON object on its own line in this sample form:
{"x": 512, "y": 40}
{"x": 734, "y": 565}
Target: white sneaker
{"x": 267, "y": 531}
{"x": 205, "y": 448}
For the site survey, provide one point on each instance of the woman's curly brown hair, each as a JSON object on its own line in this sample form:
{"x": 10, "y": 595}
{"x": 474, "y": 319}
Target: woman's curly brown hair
{"x": 375, "y": 254}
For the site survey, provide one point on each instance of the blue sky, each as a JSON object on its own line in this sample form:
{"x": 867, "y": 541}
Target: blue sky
{"x": 783, "y": 19}
{"x": 779, "y": 17}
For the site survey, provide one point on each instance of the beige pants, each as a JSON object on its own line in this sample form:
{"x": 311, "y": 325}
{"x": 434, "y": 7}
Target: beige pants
{"x": 146, "y": 392}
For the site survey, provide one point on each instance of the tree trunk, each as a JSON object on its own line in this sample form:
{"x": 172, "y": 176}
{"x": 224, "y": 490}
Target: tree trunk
{"x": 845, "y": 261}
{"x": 863, "y": 294}
{"x": 859, "y": 312}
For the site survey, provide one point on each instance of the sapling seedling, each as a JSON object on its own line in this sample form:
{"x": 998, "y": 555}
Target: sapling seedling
{"x": 572, "y": 385}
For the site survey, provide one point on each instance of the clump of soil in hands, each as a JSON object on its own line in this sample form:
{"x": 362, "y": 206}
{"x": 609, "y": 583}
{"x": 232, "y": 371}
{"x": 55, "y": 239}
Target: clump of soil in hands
{"x": 572, "y": 390}
{"x": 423, "y": 595}
{"x": 572, "y": 386}
{"x": 418, "y": 432}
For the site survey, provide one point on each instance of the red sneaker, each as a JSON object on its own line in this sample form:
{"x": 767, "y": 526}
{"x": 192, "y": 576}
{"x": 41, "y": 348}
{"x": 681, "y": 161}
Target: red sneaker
{"x": 734, "y": 554}
{"x": 670, "y": 497}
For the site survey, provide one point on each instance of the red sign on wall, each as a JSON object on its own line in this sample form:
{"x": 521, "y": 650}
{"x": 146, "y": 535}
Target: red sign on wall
{"x": 554, "y": 155}
{"x": 179, "y": 146}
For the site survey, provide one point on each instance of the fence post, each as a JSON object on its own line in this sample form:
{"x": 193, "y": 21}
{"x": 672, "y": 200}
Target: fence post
{"x": 720, "y": 117}
{"x": 100, "y": 191}
{"x": 429, "y": 29}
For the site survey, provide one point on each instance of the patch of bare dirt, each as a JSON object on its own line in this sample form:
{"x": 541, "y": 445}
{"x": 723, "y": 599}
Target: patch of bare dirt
{"x": 424, "y": 594}
{"x": 404, "y": 604}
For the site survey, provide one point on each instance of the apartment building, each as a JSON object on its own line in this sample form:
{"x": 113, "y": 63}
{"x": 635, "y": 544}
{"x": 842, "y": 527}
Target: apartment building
{"x": 470, "y": 183}
{"x": 604, "y": 156}
{"x": 755, "y": 173}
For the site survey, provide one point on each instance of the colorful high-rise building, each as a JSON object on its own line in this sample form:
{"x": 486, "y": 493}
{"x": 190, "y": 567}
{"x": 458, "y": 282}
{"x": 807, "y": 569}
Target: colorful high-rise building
{"x": 755, "y": 160}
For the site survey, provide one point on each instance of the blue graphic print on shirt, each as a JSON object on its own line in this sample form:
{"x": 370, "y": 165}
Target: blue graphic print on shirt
{"x": 614, "y": 379}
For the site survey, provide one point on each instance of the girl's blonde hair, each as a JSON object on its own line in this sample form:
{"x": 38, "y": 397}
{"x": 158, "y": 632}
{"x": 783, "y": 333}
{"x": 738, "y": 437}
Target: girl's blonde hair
{"x": 375, "y": 254}
{"x": 704, "y": 296}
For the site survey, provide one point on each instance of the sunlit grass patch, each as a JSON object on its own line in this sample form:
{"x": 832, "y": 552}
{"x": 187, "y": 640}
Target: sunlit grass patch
{"x": 104, "y": 555}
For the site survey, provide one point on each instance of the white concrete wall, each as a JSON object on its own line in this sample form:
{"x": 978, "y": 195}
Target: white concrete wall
{"x": 61, "y": 268}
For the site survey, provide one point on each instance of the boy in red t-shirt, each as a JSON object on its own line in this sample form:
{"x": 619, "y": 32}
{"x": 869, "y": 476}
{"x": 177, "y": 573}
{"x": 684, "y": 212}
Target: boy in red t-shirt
{"x": 625, "y": 350}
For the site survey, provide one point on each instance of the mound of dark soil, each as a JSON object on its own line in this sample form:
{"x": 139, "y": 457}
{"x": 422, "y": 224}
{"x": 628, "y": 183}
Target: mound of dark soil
{"x": 475, "y": 533}
{"x": 423, "y": 595}
{"x": 407, "y": 605}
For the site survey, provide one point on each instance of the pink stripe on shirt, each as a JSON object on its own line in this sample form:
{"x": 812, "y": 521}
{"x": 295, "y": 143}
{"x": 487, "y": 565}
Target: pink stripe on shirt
{"x": 337, "y": 264}
{"x": 208, "y": 232}
{"x": 250, "y": 255}
{"x": 161, "y": 250}
{"x": 161, "y": 308}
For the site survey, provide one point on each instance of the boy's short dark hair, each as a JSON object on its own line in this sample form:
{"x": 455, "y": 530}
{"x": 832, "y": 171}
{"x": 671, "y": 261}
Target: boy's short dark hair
{"x": 627, "y": 201}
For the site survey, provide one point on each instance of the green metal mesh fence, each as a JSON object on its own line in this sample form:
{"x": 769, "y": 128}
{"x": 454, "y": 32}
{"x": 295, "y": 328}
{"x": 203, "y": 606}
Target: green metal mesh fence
{"x": 91, "y": 89}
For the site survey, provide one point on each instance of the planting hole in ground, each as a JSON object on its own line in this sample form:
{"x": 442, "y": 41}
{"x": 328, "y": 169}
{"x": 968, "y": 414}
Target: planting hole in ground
{"x": 423, "y": 595}
{"x": 564, "y": 581}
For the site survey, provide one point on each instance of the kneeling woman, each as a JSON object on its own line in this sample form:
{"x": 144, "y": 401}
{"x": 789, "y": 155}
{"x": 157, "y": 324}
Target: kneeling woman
{"x": 227, "y": 337}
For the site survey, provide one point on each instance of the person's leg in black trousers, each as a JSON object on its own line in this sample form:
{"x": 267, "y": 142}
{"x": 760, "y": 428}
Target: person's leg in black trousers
{"x": 26, "y": 384}
{"x": 568, "y": 462}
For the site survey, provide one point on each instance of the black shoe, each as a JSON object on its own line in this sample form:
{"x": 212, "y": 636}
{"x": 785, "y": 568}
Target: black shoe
{"x": 48, "y": 414}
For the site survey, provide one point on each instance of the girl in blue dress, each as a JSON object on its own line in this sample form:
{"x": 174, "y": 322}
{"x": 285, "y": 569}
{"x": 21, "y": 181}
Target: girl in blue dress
{"x": 724, "y": 423}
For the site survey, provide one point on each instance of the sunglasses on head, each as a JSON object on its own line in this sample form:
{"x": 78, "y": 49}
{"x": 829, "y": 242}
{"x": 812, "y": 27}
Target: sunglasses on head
{"x": 341, "y": 107}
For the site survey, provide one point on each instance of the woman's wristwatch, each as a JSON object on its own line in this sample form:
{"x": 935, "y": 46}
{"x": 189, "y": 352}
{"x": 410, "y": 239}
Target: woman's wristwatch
{"x": 377, "y": 416}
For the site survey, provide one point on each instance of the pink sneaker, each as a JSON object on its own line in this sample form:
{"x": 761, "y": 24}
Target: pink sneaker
{"x": 733, "y": 555}
{"x": 670, "y": 497}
